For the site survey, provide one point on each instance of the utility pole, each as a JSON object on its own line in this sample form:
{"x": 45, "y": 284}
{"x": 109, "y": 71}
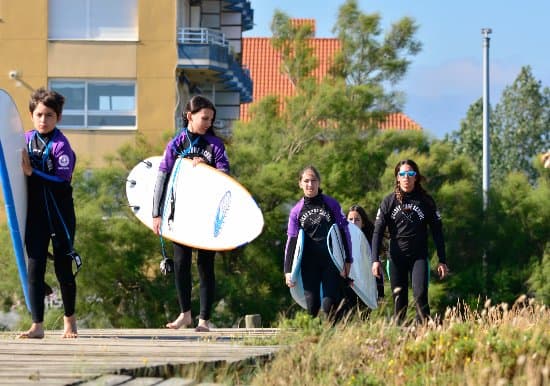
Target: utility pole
{"x": 486, "y": 140}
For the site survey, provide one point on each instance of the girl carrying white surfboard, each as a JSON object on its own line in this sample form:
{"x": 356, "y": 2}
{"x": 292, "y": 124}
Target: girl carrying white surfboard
{"x": 198, "y": 142}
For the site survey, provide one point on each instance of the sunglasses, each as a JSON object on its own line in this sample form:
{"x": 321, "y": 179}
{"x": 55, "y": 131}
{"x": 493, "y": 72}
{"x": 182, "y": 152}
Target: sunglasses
{"x": 410, "y": 173}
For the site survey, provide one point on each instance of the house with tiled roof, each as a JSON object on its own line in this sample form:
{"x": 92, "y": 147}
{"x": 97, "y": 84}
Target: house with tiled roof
{"x": 264, "y": 63}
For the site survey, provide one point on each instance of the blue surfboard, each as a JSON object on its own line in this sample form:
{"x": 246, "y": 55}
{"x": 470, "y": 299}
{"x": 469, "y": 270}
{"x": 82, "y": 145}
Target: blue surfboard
{"x": 14, "y": 182}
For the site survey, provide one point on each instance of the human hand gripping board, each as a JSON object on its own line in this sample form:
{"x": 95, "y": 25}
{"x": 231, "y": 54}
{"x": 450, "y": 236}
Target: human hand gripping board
{"x": 14, "y": 182}
{"x": 204, "y": 208}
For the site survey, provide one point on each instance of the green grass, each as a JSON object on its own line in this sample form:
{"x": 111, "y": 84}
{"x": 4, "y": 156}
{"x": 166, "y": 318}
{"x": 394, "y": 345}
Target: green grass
{"x": 495, "y": 345}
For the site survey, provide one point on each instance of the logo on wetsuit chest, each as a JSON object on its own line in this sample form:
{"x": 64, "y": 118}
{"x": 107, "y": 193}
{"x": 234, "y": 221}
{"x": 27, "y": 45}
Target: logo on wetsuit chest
{"x": 406, "y": 210}
{"x": 315, "y": 216}
{"x": 198, "y": 151}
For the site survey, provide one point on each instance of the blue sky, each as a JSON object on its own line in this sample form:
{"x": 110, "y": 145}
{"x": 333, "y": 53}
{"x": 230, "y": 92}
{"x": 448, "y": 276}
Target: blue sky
{"x": 447, "y": 76}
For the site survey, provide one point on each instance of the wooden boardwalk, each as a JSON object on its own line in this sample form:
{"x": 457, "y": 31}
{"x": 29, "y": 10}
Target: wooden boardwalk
{"x": 116, "y": 356}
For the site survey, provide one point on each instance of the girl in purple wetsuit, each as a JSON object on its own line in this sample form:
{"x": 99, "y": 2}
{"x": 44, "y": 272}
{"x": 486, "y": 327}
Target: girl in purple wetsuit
{"x": 197, "y": 142}
{"x": 315, "y": 213}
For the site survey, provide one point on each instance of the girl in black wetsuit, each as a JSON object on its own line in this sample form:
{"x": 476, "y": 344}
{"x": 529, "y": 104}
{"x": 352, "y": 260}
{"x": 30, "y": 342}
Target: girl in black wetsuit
{"x": 406, "y": 213}
{"x": 358, "y": 216}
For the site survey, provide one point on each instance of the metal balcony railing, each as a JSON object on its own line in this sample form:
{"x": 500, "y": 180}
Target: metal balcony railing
{"x": 201, "y": 36}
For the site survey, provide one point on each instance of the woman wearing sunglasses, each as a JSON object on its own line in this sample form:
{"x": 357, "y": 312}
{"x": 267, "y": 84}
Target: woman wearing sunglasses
{"x": 407, "y": 212}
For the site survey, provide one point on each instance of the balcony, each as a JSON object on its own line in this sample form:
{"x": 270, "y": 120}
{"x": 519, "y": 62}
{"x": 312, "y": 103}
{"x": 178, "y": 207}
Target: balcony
{"x": 205, "y": 56}
{"x": 246, "y": 10}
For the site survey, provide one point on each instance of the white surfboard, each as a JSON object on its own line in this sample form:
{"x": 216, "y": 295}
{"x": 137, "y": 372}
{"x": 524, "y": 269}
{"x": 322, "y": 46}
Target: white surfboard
{"x": 364, "y": 282}
{"x": 211, "y": 210}
{"x": 14, "y": 182}
{"x": 297, "y": 292}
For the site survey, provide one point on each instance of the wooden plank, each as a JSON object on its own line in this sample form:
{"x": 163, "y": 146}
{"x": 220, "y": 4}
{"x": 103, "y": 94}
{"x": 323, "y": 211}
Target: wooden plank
{"x": 95, "y": 353}
{"x": 108, "y": 380}
{"x": 178, "y": 382}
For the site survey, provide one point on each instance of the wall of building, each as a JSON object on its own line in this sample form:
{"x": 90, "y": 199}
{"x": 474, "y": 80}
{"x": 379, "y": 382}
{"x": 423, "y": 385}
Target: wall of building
{"x": 151, "y": 61}
{"x": 23, "y": 48}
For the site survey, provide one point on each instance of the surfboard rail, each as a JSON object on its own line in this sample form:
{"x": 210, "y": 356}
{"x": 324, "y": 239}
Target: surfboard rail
{"x": 204, "y": 207}
{"x": 13, "y": 181}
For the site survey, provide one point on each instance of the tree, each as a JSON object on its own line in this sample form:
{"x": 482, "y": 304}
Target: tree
{"x": 292, "y": 42}
{"x": 522, "y": 119}
{"x": 518, "y": 128}
{"x": 364, "y": 58}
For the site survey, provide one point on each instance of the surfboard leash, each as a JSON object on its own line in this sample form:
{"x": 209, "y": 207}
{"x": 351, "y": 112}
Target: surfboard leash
{"x": 72, "y": 253}
{"x": 167, "y": 264}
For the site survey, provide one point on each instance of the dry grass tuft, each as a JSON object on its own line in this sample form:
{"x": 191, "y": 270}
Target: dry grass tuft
{"x": 491, "y": 345}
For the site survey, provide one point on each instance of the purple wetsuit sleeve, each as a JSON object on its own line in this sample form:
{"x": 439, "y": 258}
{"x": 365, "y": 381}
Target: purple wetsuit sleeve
{"x": 220, "y": 156}
{"x": 63, "y": 157}
{"x": 292, "y": 234}
{"x": 169, "y": 156}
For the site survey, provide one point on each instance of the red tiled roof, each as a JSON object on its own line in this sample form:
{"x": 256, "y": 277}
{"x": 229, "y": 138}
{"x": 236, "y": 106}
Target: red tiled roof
{"x": 301, "y": 22}
{"x": 399, "y": 121}
{"x": 264, "y": 63}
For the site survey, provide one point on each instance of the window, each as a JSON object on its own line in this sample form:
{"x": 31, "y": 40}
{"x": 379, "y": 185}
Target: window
{"x": 97, "y": 104}
{"x": 93, "y": 20}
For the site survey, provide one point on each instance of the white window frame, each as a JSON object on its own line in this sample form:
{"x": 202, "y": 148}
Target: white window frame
{"x": 86, "y": 112}
{"x": 93, "y": 21}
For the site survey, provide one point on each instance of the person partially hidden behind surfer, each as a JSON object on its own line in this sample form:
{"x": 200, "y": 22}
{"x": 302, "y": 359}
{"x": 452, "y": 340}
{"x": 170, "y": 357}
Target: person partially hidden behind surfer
{"x": 315, "y": 213}
{"x": 198, "y": 142}
{"x": 48, "y": 164}
{"x": 358, "y": 216}
{"x": 407, "y": 212}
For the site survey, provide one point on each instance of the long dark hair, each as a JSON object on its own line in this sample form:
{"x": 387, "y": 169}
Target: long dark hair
{"x": 196, "y": 104}
{"x": 417, "y": 182}
{"x": 368, "y": 226}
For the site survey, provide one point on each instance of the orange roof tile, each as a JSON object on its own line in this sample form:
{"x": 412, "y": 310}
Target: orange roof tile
{"x": 399, "y": 121}
{"x": 301, "y": 22}
{"x": 264, "y": 63}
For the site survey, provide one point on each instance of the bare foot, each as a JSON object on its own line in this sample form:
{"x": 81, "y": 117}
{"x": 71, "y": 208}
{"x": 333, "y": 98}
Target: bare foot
{"x": 184, "y": 320}
{"x": 70, "y": 327}
{"x": 203, "y": 326}
{"x": 35, "y": 332}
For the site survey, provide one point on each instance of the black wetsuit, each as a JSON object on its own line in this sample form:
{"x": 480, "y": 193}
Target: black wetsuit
{"x": 50, "y": 217}
{"x": 407, "y": 223}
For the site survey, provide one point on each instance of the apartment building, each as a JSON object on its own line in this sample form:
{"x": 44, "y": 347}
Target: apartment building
{"x": 125, "y": 66}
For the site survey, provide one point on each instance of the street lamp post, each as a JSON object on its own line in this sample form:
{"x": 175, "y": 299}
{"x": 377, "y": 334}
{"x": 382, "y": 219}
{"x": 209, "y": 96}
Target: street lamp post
{"x": 486, "y": 142}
